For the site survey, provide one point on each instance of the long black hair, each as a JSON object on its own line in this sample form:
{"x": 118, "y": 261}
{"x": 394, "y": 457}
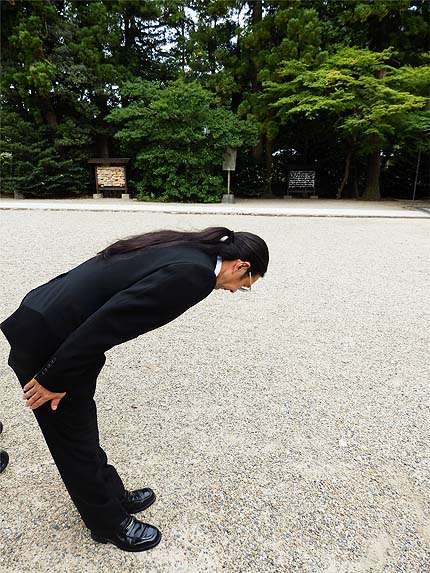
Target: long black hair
{"x": 213, "y": 241}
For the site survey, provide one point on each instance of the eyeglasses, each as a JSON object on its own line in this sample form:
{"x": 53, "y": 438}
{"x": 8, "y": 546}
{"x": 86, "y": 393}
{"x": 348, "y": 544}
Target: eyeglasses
{"x": 245, "y": 288}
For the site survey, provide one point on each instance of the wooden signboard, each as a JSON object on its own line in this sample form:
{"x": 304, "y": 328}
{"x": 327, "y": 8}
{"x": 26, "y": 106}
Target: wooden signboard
{"x": 112, "y": 177}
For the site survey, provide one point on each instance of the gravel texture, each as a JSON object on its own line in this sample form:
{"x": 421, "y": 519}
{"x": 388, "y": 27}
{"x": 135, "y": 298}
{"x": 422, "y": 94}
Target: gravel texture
{"x": 289, "y": 428}
{"x": 275, "y": 207}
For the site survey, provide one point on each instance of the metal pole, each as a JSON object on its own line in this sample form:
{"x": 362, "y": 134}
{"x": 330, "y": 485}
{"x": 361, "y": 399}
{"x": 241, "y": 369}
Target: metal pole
{"x": 228, "y": 181}
{"x": 416, "y": 174}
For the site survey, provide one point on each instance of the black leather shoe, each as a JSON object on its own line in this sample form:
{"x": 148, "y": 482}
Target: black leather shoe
{"x": 4, "y": 460}
{"x": 138, "y": 500}
{"x": 1, "y": 427}
{"x": 131, "y": 535}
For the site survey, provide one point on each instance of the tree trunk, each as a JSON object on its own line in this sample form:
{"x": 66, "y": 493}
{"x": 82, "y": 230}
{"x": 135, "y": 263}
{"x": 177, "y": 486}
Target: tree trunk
{"x": 48, "y": 112}
{"x": 268, "y": 166}
{"x": 346, "y": 173}
{"x": 306, "y": 151}
{"x": 183, "y": 46}
{"x": 257, "y": 14}
{"x": 257, "y": 10}
{"x": 372, "y": 191}
{"x": 102, "y": 139}
{"x": 257, "y": 150}
{"x": 354, "y": 185}
{"x": 102, "y": 145}
{"x": 260, "y": 153}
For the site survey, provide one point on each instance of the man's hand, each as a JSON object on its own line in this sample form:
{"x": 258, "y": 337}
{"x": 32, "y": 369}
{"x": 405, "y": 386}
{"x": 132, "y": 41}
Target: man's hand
{"x": 36, "y": 395}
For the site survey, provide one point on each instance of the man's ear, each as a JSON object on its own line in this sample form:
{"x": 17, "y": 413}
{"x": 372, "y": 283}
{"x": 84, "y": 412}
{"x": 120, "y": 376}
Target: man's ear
{"x": 242, "y": 265}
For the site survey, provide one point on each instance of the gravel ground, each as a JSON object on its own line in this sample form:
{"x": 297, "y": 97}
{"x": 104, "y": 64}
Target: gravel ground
{"x": 290, "y": 426}
{"x": 266, "y": 207}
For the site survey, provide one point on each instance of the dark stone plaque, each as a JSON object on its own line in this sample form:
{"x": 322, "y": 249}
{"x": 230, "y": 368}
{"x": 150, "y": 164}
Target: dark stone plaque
{"x": 301, "y": 180}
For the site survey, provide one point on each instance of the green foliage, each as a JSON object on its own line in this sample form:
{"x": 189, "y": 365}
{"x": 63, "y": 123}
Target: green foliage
{"x": 34, "y": 163}
{"x": 324, "y": 83}
{"x": 347, "y": 91}
{"x": 28, "y": 41}
{"x": 178, "y": 134}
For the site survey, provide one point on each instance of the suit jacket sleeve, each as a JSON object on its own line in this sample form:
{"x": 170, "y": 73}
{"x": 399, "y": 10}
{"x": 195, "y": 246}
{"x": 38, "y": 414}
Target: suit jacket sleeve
{"x": 147, "y": 304}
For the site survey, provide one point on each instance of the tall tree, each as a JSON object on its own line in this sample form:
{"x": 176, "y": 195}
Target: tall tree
{"x": 178, "y": 134}
{"x": 63, "y": 62}
{"x": 370, "y": 111}
{"x": 288, "y": 31}
{"x": 303, "y": 32}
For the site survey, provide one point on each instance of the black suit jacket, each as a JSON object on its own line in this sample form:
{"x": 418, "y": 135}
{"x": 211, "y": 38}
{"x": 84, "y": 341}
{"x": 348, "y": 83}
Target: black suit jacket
{"x": 73, "y": 319}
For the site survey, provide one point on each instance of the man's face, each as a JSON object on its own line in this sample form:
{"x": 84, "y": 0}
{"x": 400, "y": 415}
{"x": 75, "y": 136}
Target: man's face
{"x": 234, "y": 275}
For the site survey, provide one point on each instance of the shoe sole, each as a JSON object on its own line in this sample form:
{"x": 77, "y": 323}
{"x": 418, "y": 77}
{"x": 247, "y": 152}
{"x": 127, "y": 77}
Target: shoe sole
{"x": 144, "y": 505}
{"x": 5, "y": 461}
{"x": 149, "y": 545}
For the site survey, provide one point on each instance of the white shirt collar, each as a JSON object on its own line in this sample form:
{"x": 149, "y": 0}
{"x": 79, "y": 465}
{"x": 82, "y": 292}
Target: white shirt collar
{"x": 218, "y": 266}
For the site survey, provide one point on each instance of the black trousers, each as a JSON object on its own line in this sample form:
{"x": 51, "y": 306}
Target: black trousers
{"x": 71, "y": 433}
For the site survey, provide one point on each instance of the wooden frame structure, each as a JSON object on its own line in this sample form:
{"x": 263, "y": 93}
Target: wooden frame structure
{"x": 110, "y": 174}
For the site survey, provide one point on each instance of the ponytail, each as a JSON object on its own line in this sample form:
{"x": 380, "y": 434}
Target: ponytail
{"x": 218, "y": 241}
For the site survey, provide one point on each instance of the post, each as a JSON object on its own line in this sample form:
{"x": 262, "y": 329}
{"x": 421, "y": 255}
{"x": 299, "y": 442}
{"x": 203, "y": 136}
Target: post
{"x": 97, "y": 194}
{"x": 126, "y": 195}
{"x": 416, "y": 174}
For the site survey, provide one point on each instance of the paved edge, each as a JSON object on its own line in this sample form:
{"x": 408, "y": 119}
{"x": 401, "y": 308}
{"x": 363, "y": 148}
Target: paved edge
{"x": 356, "y": 215}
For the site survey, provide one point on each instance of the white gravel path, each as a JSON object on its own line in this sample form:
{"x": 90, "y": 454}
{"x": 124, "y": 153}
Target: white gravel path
{"x": 289, "y": 427}
{"x": 273, "y": 207}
